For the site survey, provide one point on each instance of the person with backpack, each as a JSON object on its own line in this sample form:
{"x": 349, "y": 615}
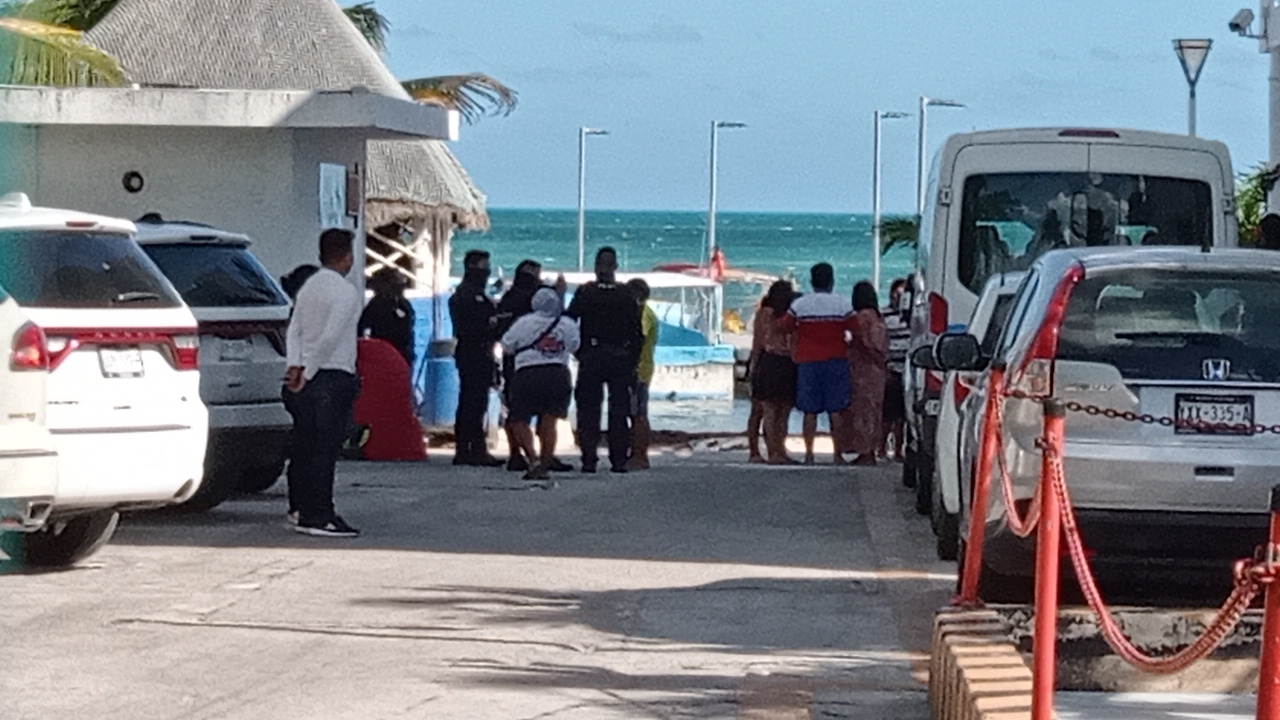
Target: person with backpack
{"x": 541, "y": 344}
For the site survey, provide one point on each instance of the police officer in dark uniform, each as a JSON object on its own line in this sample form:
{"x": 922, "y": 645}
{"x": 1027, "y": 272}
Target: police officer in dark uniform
{"x": 475, "y": 323}
{"x": 612, "y": 338}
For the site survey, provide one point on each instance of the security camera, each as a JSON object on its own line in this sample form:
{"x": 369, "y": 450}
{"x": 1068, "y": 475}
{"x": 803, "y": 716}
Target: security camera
{"x": 1241, "y": 22}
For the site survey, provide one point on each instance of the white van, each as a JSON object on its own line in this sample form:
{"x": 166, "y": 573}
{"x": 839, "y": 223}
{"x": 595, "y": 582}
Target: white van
{"x": 997, "y": 200}
{"x": 118, "y": 349}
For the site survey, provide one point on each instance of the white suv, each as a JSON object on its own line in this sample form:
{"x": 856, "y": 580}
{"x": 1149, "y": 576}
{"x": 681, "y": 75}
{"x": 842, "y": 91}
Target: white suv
{"x": 243, "y": 316}
{"x": 117, "y": 350}
{"x": 28, "y": 460}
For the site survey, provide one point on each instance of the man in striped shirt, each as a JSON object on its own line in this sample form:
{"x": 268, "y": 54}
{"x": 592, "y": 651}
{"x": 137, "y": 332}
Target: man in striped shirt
{"x": 823, "y": 380}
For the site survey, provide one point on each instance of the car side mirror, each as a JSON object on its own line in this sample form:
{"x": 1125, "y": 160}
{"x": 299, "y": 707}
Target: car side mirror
{"x": 922, "y": 357}
{"x": 958, "y": 352}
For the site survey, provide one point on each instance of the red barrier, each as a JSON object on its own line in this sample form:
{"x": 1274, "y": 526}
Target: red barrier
{"x": 972, "y": 567}
{"x": 1269, "y": 665}
{"x": 1048, "y": 540}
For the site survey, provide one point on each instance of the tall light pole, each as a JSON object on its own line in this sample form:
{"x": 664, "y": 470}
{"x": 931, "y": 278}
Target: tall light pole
{"x": 716, "y": 125}
{"x": 875, "y": 198}
{"x": 925, "y": 103}
{"x": 1192, "y": 53}
{"x": 582, "y": 192}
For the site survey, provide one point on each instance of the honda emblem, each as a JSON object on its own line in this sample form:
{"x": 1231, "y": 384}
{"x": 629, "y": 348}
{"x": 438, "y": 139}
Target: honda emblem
{"x": 1216, "y": 369}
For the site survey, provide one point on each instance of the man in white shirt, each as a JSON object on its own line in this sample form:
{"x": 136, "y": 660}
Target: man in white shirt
{"x": 321, "y": 352}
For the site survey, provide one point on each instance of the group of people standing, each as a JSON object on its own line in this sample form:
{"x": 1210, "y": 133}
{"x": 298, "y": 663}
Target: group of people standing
{"x": 823, "y": 353}
{"x": 608, "y": 327}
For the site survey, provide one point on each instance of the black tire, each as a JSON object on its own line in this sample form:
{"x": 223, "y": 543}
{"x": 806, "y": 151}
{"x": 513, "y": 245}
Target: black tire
{"x": 995, "y": 588}
{"x": 946, "y": 527}
{"x": 909, "y": 473}
{"x": 62, "y": 542}
{"x": 924, "y": 483}
{"x": 260, "y": 479}
{"x": 221, "y": 481}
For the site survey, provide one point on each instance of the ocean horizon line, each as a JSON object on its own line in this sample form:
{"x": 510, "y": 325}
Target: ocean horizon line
{"x": 624, "y": 211}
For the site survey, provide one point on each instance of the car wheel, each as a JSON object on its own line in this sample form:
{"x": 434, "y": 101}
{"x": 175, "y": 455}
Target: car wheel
{"x": 221, "y": 481}
{"x": 924, "y": 483}
{"x": 909, "y": 461}
{"x": 997, "y": 588}
{"x": 62, "y": 542}
{"x": 260, "y": 479}
{"x": 946, "y": 527}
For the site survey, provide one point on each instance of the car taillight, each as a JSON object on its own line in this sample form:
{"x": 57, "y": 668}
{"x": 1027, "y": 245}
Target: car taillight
{"x": 933, "y": 381}
{"x": 1035, "y": 377}
{"x": 30, "y": 349}
{"x": 186, "y": 352}
{"x": 938, "y": 320}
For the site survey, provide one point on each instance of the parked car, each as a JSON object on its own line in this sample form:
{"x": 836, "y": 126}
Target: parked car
{"x": 1171, "y": 333}
{"x": 997, "y": 200}
{"x": 28, "y": 457}
{"x": 116, "y": 349}
{"x": 939, "y": 496}
{"x": 243, "y": 316}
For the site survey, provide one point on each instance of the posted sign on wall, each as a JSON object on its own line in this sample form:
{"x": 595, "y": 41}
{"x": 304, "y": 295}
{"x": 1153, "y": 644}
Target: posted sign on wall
{"x": 333, "y": 196}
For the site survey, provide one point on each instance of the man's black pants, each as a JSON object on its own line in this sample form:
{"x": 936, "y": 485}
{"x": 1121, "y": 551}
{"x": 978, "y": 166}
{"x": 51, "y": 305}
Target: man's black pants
{"x": 475, "y": 379}
{"x": 596, "y": 370}
{"x": 321, "y": 415}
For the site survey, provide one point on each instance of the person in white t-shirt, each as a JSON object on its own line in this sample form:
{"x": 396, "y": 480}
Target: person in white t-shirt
{"x": 321, "y": 349}
{"x": 541, "y": 343}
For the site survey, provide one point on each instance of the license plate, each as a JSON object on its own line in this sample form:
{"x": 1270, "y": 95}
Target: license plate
{"x": 931, "y": 407}
{"x": 1214, "y": 414}
{"x": 120, "y": 362}
{"x": 234, "y": 350}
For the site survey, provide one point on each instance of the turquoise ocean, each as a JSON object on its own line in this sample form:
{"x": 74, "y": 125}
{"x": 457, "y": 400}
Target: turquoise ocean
{"x": 783, "y": 244}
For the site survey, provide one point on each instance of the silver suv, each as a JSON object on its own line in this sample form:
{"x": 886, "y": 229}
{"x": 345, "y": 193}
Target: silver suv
{"x": 1185, "y": 336}
{"x": 243, "y": 315}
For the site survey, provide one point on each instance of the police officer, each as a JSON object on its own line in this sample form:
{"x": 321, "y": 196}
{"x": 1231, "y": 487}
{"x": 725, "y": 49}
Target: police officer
{"x": 515, "y": 304}
{"x": 612, "y": 338}
{"x": 475, "y": 323}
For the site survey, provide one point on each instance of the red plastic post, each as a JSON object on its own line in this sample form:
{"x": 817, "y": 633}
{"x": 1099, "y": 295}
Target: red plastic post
{"x": 987, "y": 450}
{"x": 1044, "y": 666}
{"x": 1269, "y": 665}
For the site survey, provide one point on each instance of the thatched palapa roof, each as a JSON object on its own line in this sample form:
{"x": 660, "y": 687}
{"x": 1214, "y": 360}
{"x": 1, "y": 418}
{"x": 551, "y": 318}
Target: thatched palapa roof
{"x": 291, "y": 45}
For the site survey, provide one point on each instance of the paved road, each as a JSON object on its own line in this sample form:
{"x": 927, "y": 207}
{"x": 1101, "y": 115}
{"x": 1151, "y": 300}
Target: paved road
{"x": 706, "y": 588}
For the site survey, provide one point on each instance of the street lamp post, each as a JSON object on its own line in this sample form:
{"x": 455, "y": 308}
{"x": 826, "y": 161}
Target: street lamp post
{"x": 1192, "y": 53}
{"x": 875, "y": 198}
{"x": 716, "y": 125}
{"x": 582, "y": 192}
{"x": 925, "y": 103}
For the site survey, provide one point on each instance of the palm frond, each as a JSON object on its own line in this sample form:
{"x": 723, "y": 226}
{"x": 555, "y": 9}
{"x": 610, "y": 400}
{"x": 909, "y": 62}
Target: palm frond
{"x": 475, "y": 95}
{"x": 898, "y": 231}
{"x": 371, "y": 23}
{"x": 37, "y": 53}
{"x": 75, "y": 14}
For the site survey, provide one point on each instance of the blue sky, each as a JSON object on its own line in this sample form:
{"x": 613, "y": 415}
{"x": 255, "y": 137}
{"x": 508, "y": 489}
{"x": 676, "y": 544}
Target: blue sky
{"x": 807, "y": 75}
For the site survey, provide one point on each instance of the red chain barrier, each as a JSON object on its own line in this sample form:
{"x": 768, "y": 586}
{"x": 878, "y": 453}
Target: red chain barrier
{"x": 971, "y": 567}
{"x": 1045, "y": 661}
{"x": 1269, "y": 663}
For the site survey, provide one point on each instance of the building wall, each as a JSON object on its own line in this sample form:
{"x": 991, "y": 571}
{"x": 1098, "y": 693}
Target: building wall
{"x": 264, "y": 183}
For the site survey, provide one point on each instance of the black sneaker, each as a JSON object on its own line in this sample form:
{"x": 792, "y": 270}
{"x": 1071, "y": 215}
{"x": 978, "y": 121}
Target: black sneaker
{"x": 517, "y": 463}
{"x": 537, "y": 472}
{"x": 557, "y": 465}
{"x": 336, "y": 527}
{"x": 487, "y": 461}
{"x": 589, "y": 468}
{"x": 619, "y": 469}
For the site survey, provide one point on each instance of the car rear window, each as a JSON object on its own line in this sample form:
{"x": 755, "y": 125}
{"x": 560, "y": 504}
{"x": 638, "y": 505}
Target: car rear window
{"x": 210, "y": 275}
{"x": 1172, "y": 324}
{"x": 62, "y": 269}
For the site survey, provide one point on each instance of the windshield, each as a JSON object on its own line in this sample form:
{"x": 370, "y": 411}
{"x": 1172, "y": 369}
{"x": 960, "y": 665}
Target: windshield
{"x": 61, "y": 269}
{"x": 1008, "y": 220}
{"x": 210, "y": 275}
{"x": 1166, "y": 324}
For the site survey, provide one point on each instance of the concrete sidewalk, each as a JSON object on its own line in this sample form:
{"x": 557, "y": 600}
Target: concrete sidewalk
{"x": 705, "y": 588}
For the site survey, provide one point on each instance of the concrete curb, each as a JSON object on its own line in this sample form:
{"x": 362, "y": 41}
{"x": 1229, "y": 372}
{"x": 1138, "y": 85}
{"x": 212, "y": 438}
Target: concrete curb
{"x": 975, "y": 672}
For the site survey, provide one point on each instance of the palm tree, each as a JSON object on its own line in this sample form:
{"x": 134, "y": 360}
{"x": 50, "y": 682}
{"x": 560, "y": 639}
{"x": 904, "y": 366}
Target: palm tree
{"x": 475, "y": 95}
{"x": 42, "y": 43}
{"x": 899, "y": 231}
{"x": 1252, "y": 188}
